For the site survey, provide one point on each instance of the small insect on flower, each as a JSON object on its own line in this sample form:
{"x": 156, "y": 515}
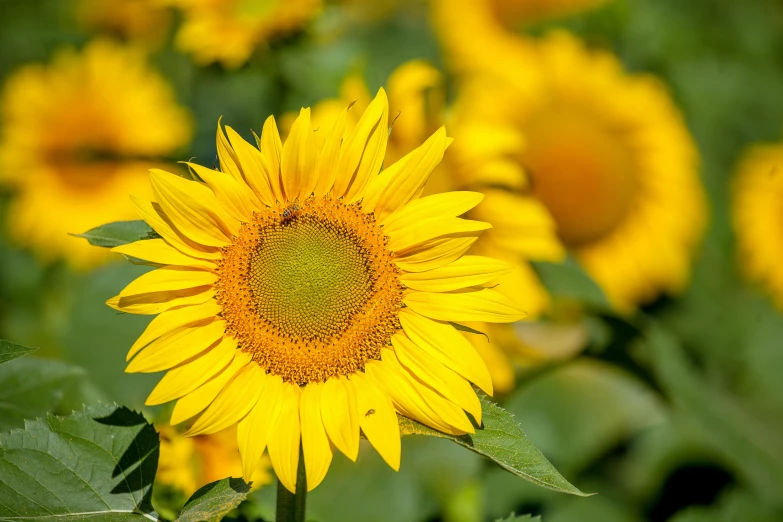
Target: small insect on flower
{"x": 290, "y": 213}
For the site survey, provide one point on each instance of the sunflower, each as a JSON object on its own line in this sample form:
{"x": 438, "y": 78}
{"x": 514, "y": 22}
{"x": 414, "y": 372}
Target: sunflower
{"x": 758, "y": 216}
{"x": 70, "y": 179}
{"x": 228, "y": 31}
{"x": 607, "y": 153}
{"x": 417, "y": 104}
{"x": 143, "y": 21}
{"x": 188, "y": 463}
{"x": 304, "y": 296}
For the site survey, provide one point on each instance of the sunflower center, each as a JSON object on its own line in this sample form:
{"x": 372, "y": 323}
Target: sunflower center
{"x": 582, "y": 172}
{"x": 310, "y": 290}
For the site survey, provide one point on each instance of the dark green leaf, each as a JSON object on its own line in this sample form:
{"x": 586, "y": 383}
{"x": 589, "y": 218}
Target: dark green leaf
{"x": 568, "y": 280}
{"x": 118, "y": 233}
{"x": 31, "y": 387}
{"x": 9, "y": 350}
{"x": 98, "y": 464}
{"x": 502, "y": 441}
{"x": 213, "y": 501}
{"x": 519, "y": 518}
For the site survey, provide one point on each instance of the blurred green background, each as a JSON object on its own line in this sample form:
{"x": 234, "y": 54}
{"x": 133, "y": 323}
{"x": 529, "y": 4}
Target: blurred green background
{"x": 673, "y": 415}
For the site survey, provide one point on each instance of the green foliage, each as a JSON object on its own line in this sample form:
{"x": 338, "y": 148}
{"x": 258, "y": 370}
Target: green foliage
{"x": 97, "y": 464}
{"x": 501, "y": 440}
{"x": 31, "y": 387}
{"x": 519, "y": 518}
{"x": 9, "y": 350}
{"x": 213, "y": 501}
{"x": 118, "y": 233}
{"x": 568, "y": 280}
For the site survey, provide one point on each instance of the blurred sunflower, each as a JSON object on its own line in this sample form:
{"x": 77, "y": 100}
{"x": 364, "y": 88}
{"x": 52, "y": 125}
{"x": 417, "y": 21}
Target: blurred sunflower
{"x": 76, "y": 137}
{"x": 758, "y": 217}
{"x": 606, "y": 152}
{"x": 417, "y": 107}
{"x": 228, "y": 31}
{"x": 142, "y": 21}
{"x": 304, "y": 296}
{"x": 188, "y": 463}
{"x": 489, "y": 22}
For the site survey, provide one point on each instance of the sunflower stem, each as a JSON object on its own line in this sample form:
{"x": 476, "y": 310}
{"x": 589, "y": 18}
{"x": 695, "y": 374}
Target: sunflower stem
{"x": 291, "y": 506}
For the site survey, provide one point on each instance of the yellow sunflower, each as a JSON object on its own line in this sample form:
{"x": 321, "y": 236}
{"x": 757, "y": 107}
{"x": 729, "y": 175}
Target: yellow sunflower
{"x": 758, "y": 217}
{"x": 188, "y": 463}
{"x": 144, "y": 21}
{"x": 228, "y": 31}
{"x": 417, "y": 107}
{"x": 606, "y": 152}
{"x": 303, "y": 295}
{"x": 76, "y": 137}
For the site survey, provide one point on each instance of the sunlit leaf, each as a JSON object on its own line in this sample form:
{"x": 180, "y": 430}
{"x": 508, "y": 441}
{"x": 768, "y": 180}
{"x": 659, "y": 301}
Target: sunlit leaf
{"x": 502, "y": 441}
{"x": 98, "y": 464}
{"x": 519, "y": 518}
{"x": 118, "y": 233}
{"x": 213, "y": 501}
{"x": 9, "y": 350}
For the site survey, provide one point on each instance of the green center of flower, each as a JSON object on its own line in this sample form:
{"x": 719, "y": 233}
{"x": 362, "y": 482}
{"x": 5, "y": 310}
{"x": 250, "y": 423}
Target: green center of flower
{"x": 309, "y": 279}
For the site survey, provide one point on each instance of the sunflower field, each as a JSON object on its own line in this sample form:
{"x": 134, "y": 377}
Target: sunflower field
{"x": 391, "y": 260}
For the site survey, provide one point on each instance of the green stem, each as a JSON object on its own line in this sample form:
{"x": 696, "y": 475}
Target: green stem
{"x": 291, "y": 506}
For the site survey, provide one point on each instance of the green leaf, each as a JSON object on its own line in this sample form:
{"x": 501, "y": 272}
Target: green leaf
{"x": 98, "y": 464}
{"x": 519, "y": 518}
{"x": 31, "y": 387}
{"x": 569, "y": 280}
{"x": 745, "y": 439}
{"x": 9, "y": 350}
{"x": 502, "y": 441}
{"x": 213, "y": 501}
{"x": 118, "y": 233}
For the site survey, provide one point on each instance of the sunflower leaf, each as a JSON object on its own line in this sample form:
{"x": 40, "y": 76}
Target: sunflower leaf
{"x": 213, "y": 501}
{"x": 31, "y": 387}
{"x": 96, "y": 464}
{"x": 118, "y": 233}
{"x": 9, "y": 350}
{"x": 569, "y": 280}
{"x": 502, "y": 441}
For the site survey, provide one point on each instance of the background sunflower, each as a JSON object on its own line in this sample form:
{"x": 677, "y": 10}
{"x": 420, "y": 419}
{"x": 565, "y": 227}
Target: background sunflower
{"x": 665, "y": 400}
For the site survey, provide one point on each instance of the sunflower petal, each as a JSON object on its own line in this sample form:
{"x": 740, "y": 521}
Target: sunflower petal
{"x": 255, "y": 428}
{"x": 176, "y": 347}
{"x": 157, "y": 302}
{"x": 341, "y": 415}
{"x": 191, "y": 374}
{"x": 413, "y": 174}
{"x": 235, "y": 196}
{"x": 253, "y": 168}
{"x": 315, "y": 444}
{"x": 486, "y": 304}
{"x": 435, "y": 253}
{"x": 232, "y": 403}
{"x": 446, "y": 204}
{"x": 272, "y": 151}
{"x": 363, "y": 150}
{"x": 428, "y": 229}
{"x": 201, "y": 397}
{"x": 171, "y": 320}
{"x": 194, "y": 208}
{"x": 155, "y": 217}
{"x": 169, "y": 279}
{"x": 446, "y": 345}
{"x": 299, "y": 158}
{"x": 161, "y": 252}
{"x": 330, "y": 155}
{"x": 378, "y": 419}
{"x": 462, "y": 273}
{"x": 285, "y": 438}
{"x": 421, "y": 364}
{"x": 229, "y": 163}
